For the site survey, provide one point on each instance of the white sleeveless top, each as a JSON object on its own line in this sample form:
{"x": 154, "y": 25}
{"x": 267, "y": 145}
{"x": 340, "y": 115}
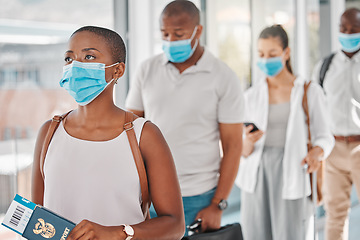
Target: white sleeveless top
{"x": 93, "y": 180}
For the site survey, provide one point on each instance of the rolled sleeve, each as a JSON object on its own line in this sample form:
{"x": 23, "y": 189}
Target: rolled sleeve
{"x": 319, "y": 121}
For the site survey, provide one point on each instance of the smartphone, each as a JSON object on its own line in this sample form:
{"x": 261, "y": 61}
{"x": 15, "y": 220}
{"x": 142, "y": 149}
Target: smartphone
{"x": 255, "y": 128}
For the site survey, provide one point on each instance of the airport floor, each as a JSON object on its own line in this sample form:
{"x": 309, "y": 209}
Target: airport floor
{"x": 232, "y": 214}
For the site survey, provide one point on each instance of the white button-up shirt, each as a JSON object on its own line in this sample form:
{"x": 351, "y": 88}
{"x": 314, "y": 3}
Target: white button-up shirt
{"x": 342, "y": 89}
{"x": 295, "y": 150}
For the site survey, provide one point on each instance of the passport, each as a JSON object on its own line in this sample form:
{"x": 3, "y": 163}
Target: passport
{"x": 35, "y": 222}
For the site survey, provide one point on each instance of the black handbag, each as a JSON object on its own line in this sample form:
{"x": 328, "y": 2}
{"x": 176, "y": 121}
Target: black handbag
{"x": 228, "y": 232}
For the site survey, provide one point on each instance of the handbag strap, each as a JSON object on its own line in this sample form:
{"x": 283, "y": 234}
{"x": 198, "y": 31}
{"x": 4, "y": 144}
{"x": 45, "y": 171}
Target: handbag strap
{"x": 129, "y": 128}
{"x": 55, "y": 121}
{"x": 307, "y": 115}
{"x": 140, "y": 166}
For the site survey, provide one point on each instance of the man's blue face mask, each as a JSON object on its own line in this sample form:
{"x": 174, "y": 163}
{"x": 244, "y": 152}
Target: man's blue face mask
{"x": 349, "y": 42}
{"x": 84, "y": 81}
{"x": 179, "y": 51}
{"x": 271, "y": 66}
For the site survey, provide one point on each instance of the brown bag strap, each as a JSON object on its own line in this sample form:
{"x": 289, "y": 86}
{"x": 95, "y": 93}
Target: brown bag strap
{"x": 306, "y": 110}
{"x": 55, "y": 121}
{"x": 135, "y": 149}
{"x": 309, "y": 146}
{"x": 129, "y": 128}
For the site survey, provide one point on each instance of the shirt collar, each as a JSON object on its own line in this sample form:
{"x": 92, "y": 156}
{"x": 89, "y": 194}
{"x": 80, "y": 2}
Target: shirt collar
{"x": 202, "y": 65}
{"x": 345, "y": 58}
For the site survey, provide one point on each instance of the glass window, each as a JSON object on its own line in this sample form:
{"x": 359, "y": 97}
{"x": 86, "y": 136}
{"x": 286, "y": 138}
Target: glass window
{"x": 313, "y": 14}
{"x": 33, "y": 39}
{"x": 229, "y": 35}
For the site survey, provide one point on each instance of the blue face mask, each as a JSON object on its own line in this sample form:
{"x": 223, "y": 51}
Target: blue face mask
{"x": 271, "y": 66}
{"x": 179, "y": 51}
{"x": 84, "y": 81}
{"x": 349, "y": 42}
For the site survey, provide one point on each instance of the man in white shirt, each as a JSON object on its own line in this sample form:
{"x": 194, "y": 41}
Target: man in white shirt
{"x": 342, "y": 88}
{"x": 196, "y": 100}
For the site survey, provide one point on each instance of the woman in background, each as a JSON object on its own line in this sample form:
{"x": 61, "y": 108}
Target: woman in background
{"x": 271, "y": 175}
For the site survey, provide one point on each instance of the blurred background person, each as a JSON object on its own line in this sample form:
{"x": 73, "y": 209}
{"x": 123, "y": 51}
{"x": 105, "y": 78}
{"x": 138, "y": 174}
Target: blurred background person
{"x": 274, "y": 183}
{"x": 338, "y": 74}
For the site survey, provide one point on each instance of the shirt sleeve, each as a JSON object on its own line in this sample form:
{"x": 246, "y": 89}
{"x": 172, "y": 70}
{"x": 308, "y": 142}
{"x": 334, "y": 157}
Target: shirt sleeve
{"x": 319, "y": 120}
{"x": 134, "y": 98}
{"x": 231, "y": 99}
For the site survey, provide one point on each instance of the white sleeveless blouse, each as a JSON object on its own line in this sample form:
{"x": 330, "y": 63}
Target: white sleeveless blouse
{"x": 93, "y": 180}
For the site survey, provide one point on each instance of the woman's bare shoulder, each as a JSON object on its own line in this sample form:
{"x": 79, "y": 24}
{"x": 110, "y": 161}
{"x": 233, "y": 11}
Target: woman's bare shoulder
{"x": 151, "y": 137}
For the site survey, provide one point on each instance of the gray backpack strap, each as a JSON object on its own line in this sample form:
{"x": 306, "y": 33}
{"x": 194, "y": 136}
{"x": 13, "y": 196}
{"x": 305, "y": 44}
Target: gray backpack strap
{"x": 325, "y": 66}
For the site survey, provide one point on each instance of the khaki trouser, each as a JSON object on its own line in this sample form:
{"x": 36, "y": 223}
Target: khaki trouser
{"x": 342, "y": 169}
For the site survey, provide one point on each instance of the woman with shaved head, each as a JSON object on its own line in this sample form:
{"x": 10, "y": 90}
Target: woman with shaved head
{"x": 89, "y": 174}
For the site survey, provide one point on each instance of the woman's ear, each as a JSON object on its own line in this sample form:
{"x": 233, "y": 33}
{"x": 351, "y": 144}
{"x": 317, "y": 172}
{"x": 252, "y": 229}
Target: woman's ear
{"x": 287, "y": 53}
{"x": 119, "y": 70}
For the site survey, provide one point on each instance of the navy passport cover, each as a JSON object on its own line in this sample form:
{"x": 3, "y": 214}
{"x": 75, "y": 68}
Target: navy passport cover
{"x": 45, "y": 224}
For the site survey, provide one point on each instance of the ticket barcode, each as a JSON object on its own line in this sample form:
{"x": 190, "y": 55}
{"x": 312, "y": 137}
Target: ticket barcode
{"x": 18, "y": 214}
{"x": 16, "y": 217}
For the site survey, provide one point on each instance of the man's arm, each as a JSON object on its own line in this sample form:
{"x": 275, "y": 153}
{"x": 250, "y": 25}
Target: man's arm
{"x": 231, "y": 141}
